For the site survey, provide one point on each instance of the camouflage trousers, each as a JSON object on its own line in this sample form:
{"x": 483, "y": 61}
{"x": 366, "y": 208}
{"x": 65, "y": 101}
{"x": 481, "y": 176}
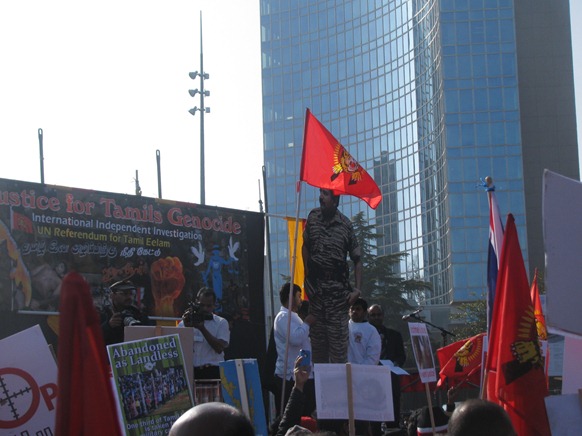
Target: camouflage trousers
{"x": 329, "y": 335}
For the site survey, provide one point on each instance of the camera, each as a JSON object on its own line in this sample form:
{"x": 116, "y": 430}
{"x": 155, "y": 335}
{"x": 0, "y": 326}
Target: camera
{"x": 195, "y": 315}
{"x": 129, "y": 318}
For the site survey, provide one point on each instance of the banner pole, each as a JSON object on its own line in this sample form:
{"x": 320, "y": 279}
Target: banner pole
{"x": 290, "y": 301}
{"x": 352, "y": 422}
{"x": 430, "y": 411}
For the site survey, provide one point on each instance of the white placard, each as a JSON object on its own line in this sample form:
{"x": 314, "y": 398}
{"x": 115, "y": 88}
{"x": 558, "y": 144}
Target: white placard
{"x": 572, "y": 376}
{"x": 422, "y": 352}
{"x": 28, "y": 380}
{"x": 564, "y": 414}
{"x": 562, "y": 209}
{"x": 371, "y": 386}
{"x": 556, "y": 348}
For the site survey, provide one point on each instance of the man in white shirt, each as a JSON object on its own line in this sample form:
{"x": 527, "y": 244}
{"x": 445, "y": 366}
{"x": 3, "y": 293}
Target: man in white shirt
{"x": 365, "y": 343}
{"x": 211, "y": 336}
{"x": 298, "y": 340}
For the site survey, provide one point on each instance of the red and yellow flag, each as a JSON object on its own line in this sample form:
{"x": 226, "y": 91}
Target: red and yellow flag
{"x": 515, "y": 372}
{"x": 461, "y": 360}
{"x": 326, "y": 164}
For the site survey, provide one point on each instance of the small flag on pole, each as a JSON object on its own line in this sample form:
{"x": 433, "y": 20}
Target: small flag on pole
{"x": 495, "y": 242}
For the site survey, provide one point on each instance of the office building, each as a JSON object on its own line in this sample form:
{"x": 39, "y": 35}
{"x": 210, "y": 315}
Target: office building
{"x": 429, "y": 96}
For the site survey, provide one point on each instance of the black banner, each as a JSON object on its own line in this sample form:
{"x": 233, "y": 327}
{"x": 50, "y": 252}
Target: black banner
{"x": 168, "y": 249}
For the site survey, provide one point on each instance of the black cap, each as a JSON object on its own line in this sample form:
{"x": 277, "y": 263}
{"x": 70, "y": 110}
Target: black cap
{"x": 122, "y": 285}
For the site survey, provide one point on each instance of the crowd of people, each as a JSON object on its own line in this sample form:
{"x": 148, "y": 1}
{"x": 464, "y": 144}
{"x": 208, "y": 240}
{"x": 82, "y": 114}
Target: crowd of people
{"x": 335, "y": 326}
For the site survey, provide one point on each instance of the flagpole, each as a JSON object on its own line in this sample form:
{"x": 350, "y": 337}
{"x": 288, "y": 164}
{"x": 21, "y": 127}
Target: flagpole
{"x": 290, "y": 301}
{"x": 293, "y": 261}
{"x": 268, "y": 236}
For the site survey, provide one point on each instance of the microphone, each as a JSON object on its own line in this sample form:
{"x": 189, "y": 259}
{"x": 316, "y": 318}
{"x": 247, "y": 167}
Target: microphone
{"x": 411, "y": 315}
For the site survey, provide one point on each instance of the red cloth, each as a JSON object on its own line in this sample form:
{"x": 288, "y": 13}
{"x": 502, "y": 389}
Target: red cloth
{"x": 326, "y": 164}
{"x": 461, "y": 361}
{"x": 412, "y": 383}
{"x": 309, "y": 423}
{"x": 515, "y": 376}
{"x": 85, "y": 404}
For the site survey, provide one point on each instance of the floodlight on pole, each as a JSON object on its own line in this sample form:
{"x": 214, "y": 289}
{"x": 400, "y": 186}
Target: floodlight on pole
{"x": 193, "y": 92}
{"x": 196, "y": 109}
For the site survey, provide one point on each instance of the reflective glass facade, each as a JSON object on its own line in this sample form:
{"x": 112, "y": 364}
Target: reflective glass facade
{"x": 482, "y": 128}
{"x": 370, "y": 71}
{"x": 429, "y": 96}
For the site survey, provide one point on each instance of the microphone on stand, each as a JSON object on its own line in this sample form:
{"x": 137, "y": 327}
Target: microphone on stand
{"x": 411, "y": 315}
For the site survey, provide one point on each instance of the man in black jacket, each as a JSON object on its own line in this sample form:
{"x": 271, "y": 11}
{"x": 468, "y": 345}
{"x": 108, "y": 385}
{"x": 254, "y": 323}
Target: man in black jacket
{"x": 121, "y": 313}
{"x": 392, "y": 349}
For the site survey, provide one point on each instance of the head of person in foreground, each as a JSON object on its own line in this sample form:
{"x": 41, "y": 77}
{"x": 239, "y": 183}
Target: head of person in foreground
{"x": 212, "y": 419}
{"x": 480, "y": 418}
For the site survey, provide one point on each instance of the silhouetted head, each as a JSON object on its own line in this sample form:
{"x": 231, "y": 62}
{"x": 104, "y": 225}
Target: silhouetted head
{"x": 212, "y": 419}
{"x": 480, "y": 418}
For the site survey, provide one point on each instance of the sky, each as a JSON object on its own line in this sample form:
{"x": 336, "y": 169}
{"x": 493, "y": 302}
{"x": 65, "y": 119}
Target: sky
{"x": 107, "y": 81}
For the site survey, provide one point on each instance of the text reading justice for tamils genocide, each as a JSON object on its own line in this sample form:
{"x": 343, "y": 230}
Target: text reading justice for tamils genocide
{"x": 110, "y": 209}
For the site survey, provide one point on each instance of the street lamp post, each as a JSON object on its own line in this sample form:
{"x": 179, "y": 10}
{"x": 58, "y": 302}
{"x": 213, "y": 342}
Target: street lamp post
{"x": 203, "y": 109}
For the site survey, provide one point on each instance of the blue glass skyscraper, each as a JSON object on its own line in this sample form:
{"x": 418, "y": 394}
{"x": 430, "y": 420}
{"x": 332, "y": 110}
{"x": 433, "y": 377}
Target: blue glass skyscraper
{"x": 428, "y": 97}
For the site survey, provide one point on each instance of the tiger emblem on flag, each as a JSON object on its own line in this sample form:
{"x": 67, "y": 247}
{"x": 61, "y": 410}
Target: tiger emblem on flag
{"x": 343, "y": 162}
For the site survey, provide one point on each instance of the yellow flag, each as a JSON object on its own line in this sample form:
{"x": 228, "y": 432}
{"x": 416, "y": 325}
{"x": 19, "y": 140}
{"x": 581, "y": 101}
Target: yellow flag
{"x": 299, "y": 272}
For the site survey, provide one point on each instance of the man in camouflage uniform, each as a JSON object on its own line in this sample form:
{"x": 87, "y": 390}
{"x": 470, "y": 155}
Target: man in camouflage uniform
{"x": 327, "y": 240}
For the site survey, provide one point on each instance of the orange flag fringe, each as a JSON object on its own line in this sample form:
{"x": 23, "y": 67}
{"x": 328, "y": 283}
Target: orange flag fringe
{"x": 541, "y": 326}
{"x": 515, "y": 377}
{"x": 326, "y": 164}
{"x": 538, "y": 312}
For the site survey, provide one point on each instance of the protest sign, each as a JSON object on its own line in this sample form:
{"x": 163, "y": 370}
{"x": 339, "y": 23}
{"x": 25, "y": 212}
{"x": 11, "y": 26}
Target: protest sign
{"x": 241, "y": 388}
{"x": 422, "y": 351}
{"x": 151, "y": 384}
{"x": 371, "y": 392}
{"x": 562, "y": 208}
{"x": 28, "y": 381}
